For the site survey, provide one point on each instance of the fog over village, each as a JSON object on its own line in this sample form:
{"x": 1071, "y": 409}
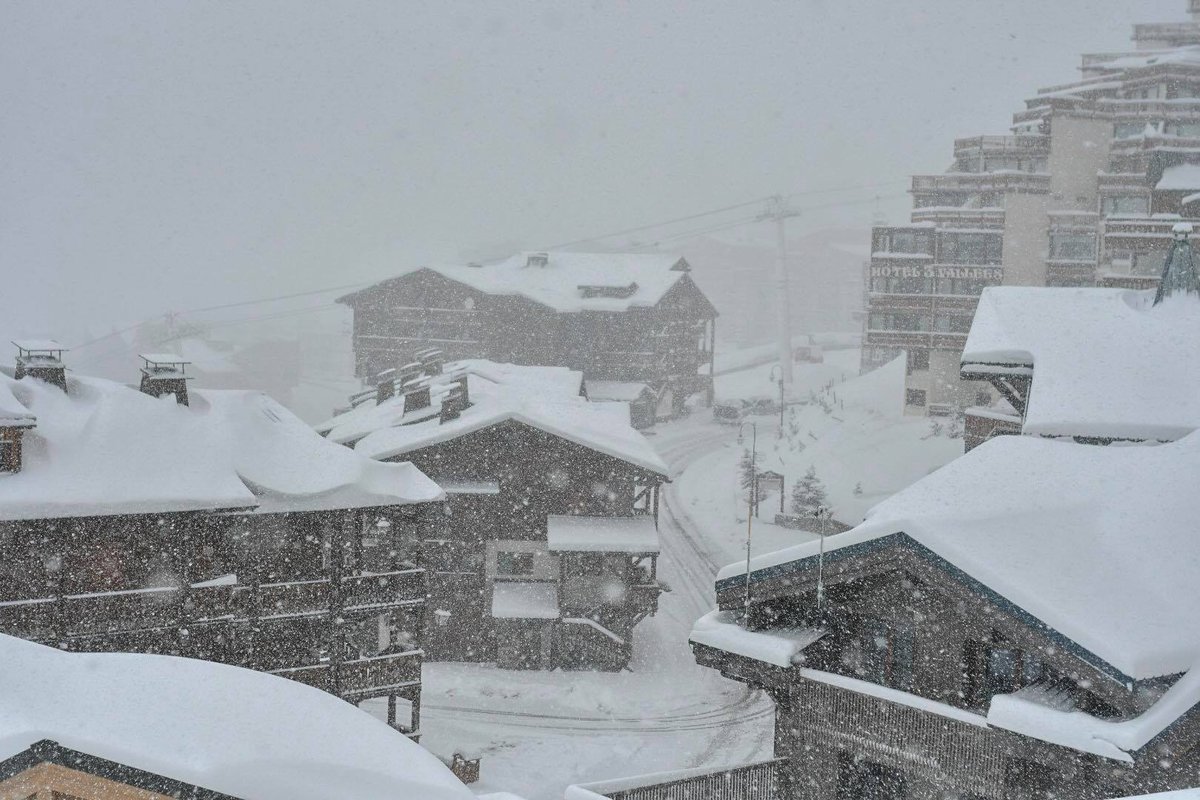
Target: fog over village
{"x": 600, "y": 401}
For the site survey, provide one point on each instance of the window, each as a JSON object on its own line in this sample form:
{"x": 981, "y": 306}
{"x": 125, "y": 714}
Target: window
{"x": 914, "y": 397}
{"x": 901, "y": 285}
{"x": 1073, "y": 246}
{"x": 512, "y": 563}
{"x": 888, "y": 240}
{"x": 969, "y": 248}
{"x": 1150, "y": 263}
{"x": 887, "y": 653}
{"x": 1125, "y": 204}
{"x": 1188, "y": 129}
{"x": 1130, "y": 130}
{"x": 917, "y": 360}
{"x": 954, "y": 323}
{"x": 898, "y": 322}
{"x": 963, "y": 286}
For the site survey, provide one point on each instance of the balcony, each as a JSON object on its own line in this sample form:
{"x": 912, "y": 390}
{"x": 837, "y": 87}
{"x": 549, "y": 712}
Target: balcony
{"x": 955, "y": 217}
{"x": 981, "y": 424}
{"x": 1019, "y": 182}
{"x": 234, "y": 623}
{"x": 1023, "y": 144}
{"x": 760, "y": 780}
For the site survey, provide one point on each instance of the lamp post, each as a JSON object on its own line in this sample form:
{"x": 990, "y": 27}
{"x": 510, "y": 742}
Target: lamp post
{"x": 751, "y": 501}
{"x": 823, "y": 514}
{"x": 771, "y": 377}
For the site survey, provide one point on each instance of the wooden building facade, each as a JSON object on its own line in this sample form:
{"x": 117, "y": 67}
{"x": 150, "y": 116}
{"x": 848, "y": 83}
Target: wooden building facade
{"x": 614, "y": 317}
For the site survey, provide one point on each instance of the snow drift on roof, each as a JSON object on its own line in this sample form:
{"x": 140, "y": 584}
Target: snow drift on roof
{"x": 546, "y": 398}
{"x": 578, "y": 534}
{"x": 1180, "y": 177}
{"x": 227, "y": 729}
{"x": 621, "y": 391}
{"x": 525, "y": 600}
{"x": 645, "y": 277}
{"x": 104, "y": 448}
{"x": 1098, "y": 543}
{"x": 1106, "y": 363}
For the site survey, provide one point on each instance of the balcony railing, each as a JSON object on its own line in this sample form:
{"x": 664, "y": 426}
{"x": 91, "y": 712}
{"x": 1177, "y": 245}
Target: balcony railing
{"x": 1025, "y": 182}
{"x": 365, "y": 677}
{"x": 165, "y": 607}
{"x": 757, "y": 781}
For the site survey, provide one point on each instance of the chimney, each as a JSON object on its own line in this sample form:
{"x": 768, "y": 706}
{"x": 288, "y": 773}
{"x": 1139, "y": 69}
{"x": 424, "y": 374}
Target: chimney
{"x": 165, "y": 373}
{"x": 431, "y": 361}
{"x": 537, "y": 260}
{"x": 385, "y": 385}
{"x": 41, "y": 359}
{"x": 452, "y": 406}
{"x": 463, "y": 389}
{"x": 416, "y": 394}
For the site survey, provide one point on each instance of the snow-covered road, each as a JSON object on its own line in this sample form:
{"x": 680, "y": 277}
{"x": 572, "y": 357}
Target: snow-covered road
{"x": 538, "y": 732}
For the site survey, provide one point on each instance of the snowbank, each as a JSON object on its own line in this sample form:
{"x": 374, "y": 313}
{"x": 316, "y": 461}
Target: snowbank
{"x": 231, "y": 730}
{"x": 1106, "y": 363}
{"x": 783, "y": 647}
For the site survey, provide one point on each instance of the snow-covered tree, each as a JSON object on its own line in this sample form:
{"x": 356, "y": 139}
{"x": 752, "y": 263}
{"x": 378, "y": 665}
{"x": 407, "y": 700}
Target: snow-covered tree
{"x": 747, "y": 469}
{"x": 808, "y": 494}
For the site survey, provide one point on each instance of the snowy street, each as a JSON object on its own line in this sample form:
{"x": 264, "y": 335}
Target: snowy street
{"x": 539, "y": 732}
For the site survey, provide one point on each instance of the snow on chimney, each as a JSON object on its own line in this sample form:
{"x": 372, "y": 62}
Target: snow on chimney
{"x": 385, "y": 385}
{"x": 452, "y": 406}
{"x": 537, "y": 260}
{"x": 416, "y": 394}
{"x": 431, "y": 361}
{"x": 42, "y": 359}
{"x": 165, "y": 373}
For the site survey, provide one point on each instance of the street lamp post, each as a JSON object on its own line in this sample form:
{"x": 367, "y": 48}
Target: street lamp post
{"x": 781, "y": 404}
{"x": 751, "y": 501}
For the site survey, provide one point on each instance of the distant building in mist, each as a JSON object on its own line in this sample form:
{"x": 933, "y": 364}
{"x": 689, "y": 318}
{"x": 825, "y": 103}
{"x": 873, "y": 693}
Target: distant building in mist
{"x": 625, "y": 317}
{"x": 1084, "y": 192}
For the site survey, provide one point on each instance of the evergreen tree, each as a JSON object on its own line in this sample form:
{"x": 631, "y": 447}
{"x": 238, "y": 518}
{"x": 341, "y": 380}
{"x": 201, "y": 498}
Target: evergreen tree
{"x": 808, "y": 494}
{"x": 747, "y": 468}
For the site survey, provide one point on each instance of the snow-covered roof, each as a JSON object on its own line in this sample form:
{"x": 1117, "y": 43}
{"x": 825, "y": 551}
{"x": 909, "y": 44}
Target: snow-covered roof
{"x": 13, "y": 413}
{"x": 1180, "y": 178}
{"x": 1106, "y": 362}
{"x": 620, "y": 391}
{"x": 525, "y": 600}
{"x": 577, "y": 534}
{"x": 243, "y": 733}
{"x": 568, "y": 282}
{"x": 469, "y": 487}
{"x": 1098, "y": 543}
{"x": 163, "y": 358}
{"x": 105, "y": 448}
{"x": 783, "y": 647}
{"x": 546, "y": 398}
{"x": 42, "y": 345}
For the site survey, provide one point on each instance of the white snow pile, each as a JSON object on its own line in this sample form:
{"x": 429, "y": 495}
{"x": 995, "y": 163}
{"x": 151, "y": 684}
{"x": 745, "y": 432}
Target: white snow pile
{"x": 227, "y": 729}
{"x": 1106, "y": 363}
{"x": 525, "y": 600}
{"x": 568, "y": 282}
{"x": 546, "y": 398}
{"x": 783, "y": 647}
{"x": 1180, "y": 178}
{"x": 583, "y": 534}
{"x": 105, "y": 448}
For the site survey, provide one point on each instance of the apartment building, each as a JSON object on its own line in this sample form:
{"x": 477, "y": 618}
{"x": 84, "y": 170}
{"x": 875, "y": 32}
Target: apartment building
{"x": 1085, "y": 191}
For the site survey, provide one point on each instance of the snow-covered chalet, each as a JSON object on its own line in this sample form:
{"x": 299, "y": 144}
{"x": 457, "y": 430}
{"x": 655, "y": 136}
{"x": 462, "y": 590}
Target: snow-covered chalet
{"x": 630, "y": 318}
{"x": 205, "y": 523}
{"x": 547, "y": 552}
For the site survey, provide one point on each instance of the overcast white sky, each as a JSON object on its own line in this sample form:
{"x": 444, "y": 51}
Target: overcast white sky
{"x": 159, "y": 155}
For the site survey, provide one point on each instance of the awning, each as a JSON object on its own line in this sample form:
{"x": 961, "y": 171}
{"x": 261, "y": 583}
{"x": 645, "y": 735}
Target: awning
{"x": 525, "y": 600}
{"x": 570, "y": 534}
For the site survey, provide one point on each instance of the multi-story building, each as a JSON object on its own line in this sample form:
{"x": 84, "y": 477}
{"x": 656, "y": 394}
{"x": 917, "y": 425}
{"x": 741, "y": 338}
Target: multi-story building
{"x": 217, "y": 527}
{"x": 1084, "y": 192}
{"x": 546, "y": 555}
{"x": 626, "y": 317}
